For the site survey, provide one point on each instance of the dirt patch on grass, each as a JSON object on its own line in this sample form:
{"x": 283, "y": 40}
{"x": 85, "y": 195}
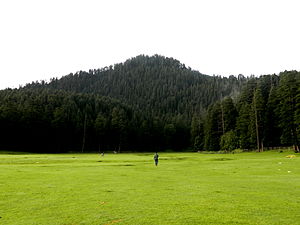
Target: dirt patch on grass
{"x": 114, "y": 221}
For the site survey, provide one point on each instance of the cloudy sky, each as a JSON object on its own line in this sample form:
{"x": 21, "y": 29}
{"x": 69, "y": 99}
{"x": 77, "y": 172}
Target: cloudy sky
{"x": 40, "y": 39}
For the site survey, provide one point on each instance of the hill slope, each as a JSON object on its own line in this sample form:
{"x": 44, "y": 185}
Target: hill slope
{"x": 155, "y": 86}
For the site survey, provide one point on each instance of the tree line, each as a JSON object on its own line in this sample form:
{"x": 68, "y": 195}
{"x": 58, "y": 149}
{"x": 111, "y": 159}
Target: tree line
{"x": 59, "y": 121}
{"x": 151, "y": 103}
{"x": 265, "y": 114}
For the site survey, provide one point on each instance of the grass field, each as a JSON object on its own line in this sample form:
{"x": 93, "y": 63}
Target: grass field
{"x": 185, "y": 188}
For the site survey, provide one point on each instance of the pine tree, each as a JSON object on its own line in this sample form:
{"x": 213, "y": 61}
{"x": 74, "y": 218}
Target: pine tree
{"x": 244, "y": 128}
{"x": 197, "y": 133}
{"x": 213, "y": 128}
{"x": 229, "y": 114}
{"x": 101, "y": 128}
{"x": 288, "y": 108}
{"x": 119, "y": 124}
{"x": 258, "y": 110}
{"x": 272, "y": 131}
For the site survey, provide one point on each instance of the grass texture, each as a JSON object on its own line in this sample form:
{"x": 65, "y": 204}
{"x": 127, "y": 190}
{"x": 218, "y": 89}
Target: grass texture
{"x": 185, "y": 188}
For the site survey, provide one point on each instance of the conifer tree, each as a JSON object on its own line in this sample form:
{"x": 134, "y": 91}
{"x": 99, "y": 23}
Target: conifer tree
{"x": 258, "y": 110}
{"x": 288, "y": 108}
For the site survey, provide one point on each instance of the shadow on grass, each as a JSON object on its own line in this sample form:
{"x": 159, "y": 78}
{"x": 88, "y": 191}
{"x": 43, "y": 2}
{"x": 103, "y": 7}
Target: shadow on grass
{"x": 118, "y": 165}
{"x": 174, "y": 158}
{"x": 221, "y": 159}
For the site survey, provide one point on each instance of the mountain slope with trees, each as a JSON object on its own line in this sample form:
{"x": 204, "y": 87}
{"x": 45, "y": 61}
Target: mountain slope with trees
{"x": 155, "y": 86}
{"x": 151, "y": 103}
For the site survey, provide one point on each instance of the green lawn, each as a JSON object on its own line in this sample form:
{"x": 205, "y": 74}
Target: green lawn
{"x": 185, "y": 188}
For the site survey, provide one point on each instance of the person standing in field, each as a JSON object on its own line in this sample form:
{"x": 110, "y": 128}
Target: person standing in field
{"x": 156, "y": 158}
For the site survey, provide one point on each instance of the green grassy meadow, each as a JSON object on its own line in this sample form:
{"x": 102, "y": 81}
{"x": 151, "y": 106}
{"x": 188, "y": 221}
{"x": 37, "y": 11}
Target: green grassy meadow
{"x": 185, "y": 188}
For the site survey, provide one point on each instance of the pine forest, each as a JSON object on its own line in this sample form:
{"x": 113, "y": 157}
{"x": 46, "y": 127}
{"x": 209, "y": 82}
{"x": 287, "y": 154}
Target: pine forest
{"x": 151, "y": 103}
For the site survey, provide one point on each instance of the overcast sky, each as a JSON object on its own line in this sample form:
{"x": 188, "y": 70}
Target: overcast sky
{"x": 40, "y": 39}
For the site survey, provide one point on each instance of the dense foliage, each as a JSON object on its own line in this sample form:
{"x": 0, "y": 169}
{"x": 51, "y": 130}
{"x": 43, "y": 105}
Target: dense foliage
{"x": 151, "y": 103}
{"x": 266, "y": 114}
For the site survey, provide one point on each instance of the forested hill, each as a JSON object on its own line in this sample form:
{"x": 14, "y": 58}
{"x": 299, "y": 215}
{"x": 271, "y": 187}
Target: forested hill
{"x": 155, "y": 86}
{"x": 151, "y": 104}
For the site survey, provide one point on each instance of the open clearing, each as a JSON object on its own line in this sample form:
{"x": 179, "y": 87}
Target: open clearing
{"x": 185, "y": 188}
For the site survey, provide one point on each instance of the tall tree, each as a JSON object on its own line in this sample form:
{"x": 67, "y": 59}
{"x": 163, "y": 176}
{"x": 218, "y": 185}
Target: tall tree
{"x": 258, "y": 110}
{"x": 229, "y": 114}
{"x": 288, "y": 107}
{"x": 101, "y": 128}
{"x": 272, "y": 131}
{"x": 119, "y": 124}
{"x": 213, "y": 128}
{"x": 197, "y": 133}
